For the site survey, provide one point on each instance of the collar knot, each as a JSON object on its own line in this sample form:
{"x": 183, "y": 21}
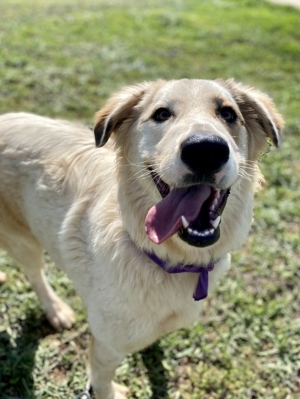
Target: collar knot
{"x": 202, "y": 284}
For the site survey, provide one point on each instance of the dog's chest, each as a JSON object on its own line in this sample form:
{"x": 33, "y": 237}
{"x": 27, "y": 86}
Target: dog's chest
{"x": 174, "y": 307}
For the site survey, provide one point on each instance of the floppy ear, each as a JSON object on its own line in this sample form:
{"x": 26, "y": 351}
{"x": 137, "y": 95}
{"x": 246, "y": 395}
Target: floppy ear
{"x": 118, "y": 111}
{"x": 262, "y": 119}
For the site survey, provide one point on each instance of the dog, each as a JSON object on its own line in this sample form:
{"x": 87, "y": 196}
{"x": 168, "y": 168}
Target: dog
{"x": 144, "y": 225}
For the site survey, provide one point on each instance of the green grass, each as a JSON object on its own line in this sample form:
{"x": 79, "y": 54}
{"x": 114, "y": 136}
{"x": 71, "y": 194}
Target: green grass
{"x": 63, "y": 58}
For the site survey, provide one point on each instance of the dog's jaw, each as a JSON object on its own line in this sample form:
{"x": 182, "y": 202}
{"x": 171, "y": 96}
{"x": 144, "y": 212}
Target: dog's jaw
{"x": 193, "y": 212}
{"x": 211, "y": 234}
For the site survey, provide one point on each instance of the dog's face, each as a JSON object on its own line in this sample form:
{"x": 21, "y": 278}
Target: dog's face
{"x": 189, "y": 142}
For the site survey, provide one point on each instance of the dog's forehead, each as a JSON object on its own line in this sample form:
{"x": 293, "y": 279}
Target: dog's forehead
{"x": 191, "y": 91}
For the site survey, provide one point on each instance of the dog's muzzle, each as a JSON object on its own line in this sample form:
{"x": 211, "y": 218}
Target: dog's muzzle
{"x": 194, "y": 210}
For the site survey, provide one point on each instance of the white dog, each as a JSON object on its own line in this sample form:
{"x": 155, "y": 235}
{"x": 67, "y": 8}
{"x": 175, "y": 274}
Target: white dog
{"x": 143, "y": 226}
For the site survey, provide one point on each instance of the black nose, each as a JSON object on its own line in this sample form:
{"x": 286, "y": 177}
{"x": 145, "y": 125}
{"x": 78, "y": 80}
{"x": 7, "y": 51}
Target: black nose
{"x": 204, "y": 153}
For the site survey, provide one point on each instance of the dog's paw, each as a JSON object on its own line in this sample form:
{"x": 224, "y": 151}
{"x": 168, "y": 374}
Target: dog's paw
{"x": 3, "y": 277}
{"x": 60, "y": 315}
{"x": 116, "y": 391}
{"x": 120, "y": 391}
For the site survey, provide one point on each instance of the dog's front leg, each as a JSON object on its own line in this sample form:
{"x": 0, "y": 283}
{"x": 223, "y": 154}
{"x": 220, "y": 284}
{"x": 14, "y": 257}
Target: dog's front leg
{"x": 103, "y": 361}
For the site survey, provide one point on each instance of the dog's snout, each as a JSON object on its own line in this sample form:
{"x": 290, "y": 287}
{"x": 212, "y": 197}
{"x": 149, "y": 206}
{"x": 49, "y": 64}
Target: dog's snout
{"x": 204, "y": 153}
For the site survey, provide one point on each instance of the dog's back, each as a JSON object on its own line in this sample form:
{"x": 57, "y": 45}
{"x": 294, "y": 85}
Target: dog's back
{"x": 46, "y": 166}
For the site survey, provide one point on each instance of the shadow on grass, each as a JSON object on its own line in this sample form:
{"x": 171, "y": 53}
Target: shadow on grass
{"x": 152, "y": 358}
{"x": 17, "y": 361}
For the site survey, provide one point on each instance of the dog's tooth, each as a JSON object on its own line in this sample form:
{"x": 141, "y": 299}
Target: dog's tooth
{"x": 195, "y": 232}
{"x": 215, "y": 201}
{"x": 216, "y": 222}
{"x": 218, "y": 192}
{"x": 185, "y": 223}
{"x": 212, "y": 208}
{"x": 190, "y": 231}
{"x": 211, "y": 231}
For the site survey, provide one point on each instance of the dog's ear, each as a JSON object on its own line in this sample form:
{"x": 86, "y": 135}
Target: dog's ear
{"x": 262, "y": 120}
{"x": 118, "y": 112}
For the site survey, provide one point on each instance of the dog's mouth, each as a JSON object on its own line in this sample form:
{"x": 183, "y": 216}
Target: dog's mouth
{"x": 193, "y": 212}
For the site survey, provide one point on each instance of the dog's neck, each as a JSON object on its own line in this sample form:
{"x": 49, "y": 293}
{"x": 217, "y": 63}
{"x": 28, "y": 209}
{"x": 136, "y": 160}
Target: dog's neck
{"x": 202, "y": 285}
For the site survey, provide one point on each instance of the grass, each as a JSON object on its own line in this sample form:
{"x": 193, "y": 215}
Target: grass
{"x": 63, "y": 58}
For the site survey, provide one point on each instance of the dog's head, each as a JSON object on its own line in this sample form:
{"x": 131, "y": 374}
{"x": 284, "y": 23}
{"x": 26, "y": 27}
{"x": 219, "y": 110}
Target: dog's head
{"x": 189, "y": 143}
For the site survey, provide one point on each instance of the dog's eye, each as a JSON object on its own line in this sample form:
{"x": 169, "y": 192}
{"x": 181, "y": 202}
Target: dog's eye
{"x": 228, "y": 114}
{"x": 161, "y": 115}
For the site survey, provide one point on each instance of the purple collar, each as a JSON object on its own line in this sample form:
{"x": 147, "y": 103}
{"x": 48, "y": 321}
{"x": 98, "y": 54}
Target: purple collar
{"x": 202, "y": 285}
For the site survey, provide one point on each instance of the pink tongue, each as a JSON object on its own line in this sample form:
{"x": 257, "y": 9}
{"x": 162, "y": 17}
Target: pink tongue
{"x": 164, "y": 219}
